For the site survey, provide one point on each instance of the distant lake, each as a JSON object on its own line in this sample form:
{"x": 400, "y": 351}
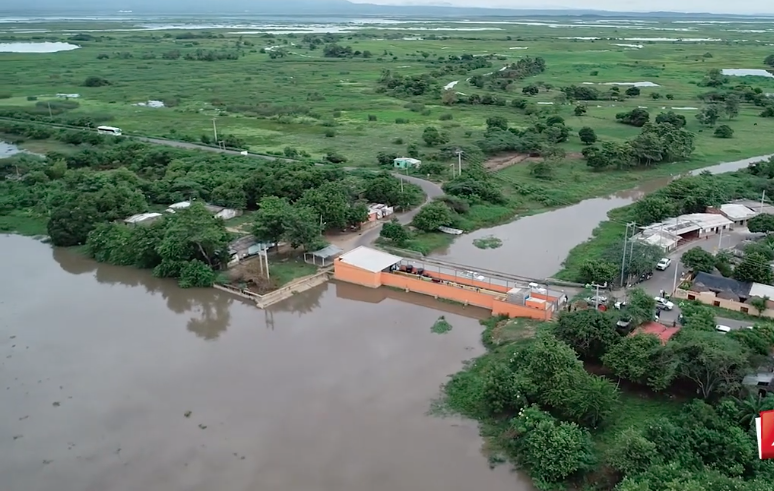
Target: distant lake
{"x": 36, "y": 47}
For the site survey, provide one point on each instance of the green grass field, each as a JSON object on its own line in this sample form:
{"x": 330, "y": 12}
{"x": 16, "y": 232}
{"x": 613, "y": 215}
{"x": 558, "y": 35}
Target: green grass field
{"x": 293, "y": 101}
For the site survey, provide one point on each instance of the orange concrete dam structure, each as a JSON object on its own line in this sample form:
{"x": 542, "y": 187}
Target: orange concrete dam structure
{"x": 373, "y": 268}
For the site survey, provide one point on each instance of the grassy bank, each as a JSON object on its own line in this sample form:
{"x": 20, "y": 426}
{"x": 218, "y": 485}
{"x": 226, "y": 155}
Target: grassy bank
{"x": 23, "y": 223}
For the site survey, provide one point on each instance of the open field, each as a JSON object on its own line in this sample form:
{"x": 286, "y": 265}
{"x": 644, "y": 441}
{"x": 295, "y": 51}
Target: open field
{"x": 281, "y": 90}
{"x": 294, "y": 100}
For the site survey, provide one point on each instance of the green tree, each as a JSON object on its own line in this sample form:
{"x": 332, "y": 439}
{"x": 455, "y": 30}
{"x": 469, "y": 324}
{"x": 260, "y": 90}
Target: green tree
{"x": 591, "y": 400}
{"x": 671, "y": 117}
{"x": 724, "y": 131}
{"x": 70, "y": 224}
{"x": 196, "y": 274}
{"x": 587, "y": 135}
{"x": 697, "y": 259}
{"x": 769, "y": 60}
{"x": 631, "y": 453}
{"x": 598, "y": 271}
{"x": 357, "y": 214}
{"x": 708, "y": 115}
{"x": 647, "y": 148}
{"x": 551, "y": 450}
{"x": 754, "y": 268}
{"x": 500, "y": 391}
{"x": 302, "y": 227}
{"x": 194, "y": 234}
{"x": 230, "y": 194}
{"x": 589, "y": 332}
{"x": 761, "y": 223}
{"x": 330, "y": 202}
{"x": 268, "y": 225}
{"x": 580, "y": 110}
{"x": 386, "y": 159}
{"x": 642, "y": 359}
{"x": 633, "y": 91}
{"x": 497, "y": 122}
{"x": 732, "y": 106}
{"x": 396, "y": 232}
{"x": 433, "y": 137}
{"x": 432, "y": 216}
{"x": 636, "y": 117}
{"x": 715, "y": 364}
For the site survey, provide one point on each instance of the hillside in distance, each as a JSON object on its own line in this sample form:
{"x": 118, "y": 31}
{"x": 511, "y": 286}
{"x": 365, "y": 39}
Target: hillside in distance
{"x": 290, "y": 7}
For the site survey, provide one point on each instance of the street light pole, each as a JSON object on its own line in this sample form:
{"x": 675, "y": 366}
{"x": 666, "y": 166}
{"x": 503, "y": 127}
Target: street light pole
{"x": 215, "y": 130}
{"x": 674, "y": 283}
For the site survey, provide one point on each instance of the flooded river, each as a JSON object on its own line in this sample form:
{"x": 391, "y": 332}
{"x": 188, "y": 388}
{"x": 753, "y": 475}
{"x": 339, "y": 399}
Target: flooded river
{"x": 536, "y": 246}
{"x": 117, "y": 381}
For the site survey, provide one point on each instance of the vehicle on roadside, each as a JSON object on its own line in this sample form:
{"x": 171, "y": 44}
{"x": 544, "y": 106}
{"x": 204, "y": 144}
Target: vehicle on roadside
{"x": 722, "y": 329}
{"x": 619, "y": 305}
{"x": 663, "y": 264}
{"x": 663, "y": 303}
{"x": 472, "y": 275}
{"x": 596, "y": 299}
{"x": 109, "y": 130}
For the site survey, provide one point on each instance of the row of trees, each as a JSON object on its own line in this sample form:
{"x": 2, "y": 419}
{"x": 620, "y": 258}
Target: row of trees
{"x": 658, "y": 142}
{"x": 547, "y": 412}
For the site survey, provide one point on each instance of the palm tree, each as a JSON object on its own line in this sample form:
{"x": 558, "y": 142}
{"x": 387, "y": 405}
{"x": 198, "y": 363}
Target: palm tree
{"x": 750, "y": 408}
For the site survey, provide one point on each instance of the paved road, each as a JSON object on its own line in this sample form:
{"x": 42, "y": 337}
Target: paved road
{"x": 664, "y": 280}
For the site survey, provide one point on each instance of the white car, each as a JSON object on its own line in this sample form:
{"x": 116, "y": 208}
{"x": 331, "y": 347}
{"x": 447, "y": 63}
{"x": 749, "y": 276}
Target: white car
{"x": 663, "y": 303}
{"x": 597, "y": 299}
{"x": 722, "y": 329}
{"x": 473, "y": 275}
{"x": 663, "y": 264}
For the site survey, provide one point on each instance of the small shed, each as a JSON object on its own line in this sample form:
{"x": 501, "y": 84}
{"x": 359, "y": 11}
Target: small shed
{"x": 326, "y": 254}
{"x": 406, "y": 163}
{"x": 142, "y": 218}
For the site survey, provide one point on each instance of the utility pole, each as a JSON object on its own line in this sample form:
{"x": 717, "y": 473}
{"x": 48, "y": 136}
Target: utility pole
{"x": 674, "y": 283}
{"x": 763, "y": 196}
{"x": 623, "y": 259}
{"x": 720, "y": 240}
{"x": 459, "y": 161}
{"x": 50, "y": 115}
{"x": 215, "y": 130}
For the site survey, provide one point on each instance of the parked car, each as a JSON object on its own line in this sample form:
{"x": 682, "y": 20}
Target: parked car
{"x": 620, "y": 305}
{"x": 722, "y": 329}
{"x": 472, "y": 275}
{"x": 663, "y": 264}
{"x": 663, "y": 303}
{"x": 597, "y": 299}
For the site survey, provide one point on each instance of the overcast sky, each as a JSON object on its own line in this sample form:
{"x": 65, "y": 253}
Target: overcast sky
{"x": 712, "y": 6}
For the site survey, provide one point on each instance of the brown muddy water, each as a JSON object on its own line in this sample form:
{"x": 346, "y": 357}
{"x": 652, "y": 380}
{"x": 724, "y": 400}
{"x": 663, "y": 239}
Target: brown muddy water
{"x": 535, "y": 246}
{"x": 328, "y": 391}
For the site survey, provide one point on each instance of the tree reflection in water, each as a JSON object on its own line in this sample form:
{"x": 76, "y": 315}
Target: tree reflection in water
{"x": 210, "y": 307}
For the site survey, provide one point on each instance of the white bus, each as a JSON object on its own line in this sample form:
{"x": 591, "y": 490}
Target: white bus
{"x": 108, "y": 130}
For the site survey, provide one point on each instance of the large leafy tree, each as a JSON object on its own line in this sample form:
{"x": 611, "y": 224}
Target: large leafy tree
{"x": 432, "y": 216}
{"x": 194, "y": 234}
{"x": 269, "y": 220}
{"x": 761, "y": 223}
{"x": 644, "y": 360}
{"x": 590, "y": 332}
{"x": 714, "y": 364}
{"x": 698, "y": 259}
{"x": 754, "y": 268}
{"x": 302, "y": 228}
{"x": 552, "y": 450}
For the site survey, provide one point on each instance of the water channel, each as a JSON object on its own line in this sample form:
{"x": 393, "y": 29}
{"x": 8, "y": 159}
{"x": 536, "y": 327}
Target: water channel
{"x": 536, "y": 246}
{"x": 327, "y": 391}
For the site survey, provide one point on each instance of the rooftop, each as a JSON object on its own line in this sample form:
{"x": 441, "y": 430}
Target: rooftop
{"x": 737, "y": 211}
{"x": 661, "y": 331}
{"x": 141, "y": 217}
{"x": 689, "y": 223}
{"x": 759, "y": 379}
{"x": 761, "y": 290}
{"x": 756, "y": 206}
{"x": 328, "y": 252}
{"x": 369, "y": 259}
{"x": 719, "y": 284}
{"x": 659, "y": 238}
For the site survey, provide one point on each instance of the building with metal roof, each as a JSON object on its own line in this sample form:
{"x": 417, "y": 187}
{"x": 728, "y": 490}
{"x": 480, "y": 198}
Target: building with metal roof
{"x": 371, "y": 260}
{"x": 142, "y": 218}
{"x": 737, "y": 213}
{"x": 756, "y": 206}
{"x": 325, "y": 254}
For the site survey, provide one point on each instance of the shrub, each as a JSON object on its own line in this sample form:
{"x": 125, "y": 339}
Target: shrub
{"x": 94, "y": 81}
{"x": 724, "y": 131}
{"x": 372, "y": 117}
{"x": 330, "y": 133}
{"x": 401, "y": 121}
{"x": 32, "y": 98}
{"x": 446, "y": 117}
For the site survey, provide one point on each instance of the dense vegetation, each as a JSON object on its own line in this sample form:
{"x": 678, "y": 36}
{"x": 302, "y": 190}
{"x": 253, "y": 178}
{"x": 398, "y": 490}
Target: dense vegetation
{"x": 84, "y": 194}
{"x": 578, "y": 402}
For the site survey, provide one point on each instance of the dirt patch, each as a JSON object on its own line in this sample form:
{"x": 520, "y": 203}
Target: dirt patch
{"x": 506, "y": 160}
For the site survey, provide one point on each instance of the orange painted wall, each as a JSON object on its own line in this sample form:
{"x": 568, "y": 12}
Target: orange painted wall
{"x": 498, "y": 307}
{"x": 469, "y": 282}
{"x": 345, "y": 272}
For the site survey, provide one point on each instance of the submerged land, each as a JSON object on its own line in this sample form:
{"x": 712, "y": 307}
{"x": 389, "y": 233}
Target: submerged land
{"x": 510, "y": 118}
